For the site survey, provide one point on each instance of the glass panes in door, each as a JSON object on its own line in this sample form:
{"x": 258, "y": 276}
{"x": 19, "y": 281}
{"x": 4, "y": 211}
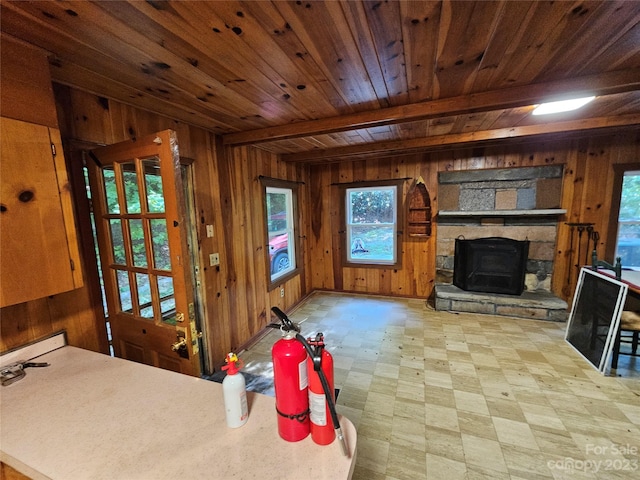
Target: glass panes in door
{"x": 140, "y": 259}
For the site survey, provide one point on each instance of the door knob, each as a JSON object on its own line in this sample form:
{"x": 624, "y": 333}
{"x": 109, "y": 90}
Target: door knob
{"x": 180, "y": 344}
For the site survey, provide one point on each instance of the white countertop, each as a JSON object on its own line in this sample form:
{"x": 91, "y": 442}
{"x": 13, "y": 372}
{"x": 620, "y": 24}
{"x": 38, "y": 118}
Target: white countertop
{"x": 91, "y": 416}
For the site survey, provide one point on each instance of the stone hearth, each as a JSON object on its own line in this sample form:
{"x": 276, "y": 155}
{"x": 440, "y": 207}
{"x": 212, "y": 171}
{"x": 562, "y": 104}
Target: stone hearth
{"x": 515, "y": 203}
{"x": 537, "y": 305}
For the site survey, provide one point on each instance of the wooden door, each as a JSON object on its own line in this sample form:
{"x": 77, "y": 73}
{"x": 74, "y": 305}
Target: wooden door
{"x": 142, "y": 236}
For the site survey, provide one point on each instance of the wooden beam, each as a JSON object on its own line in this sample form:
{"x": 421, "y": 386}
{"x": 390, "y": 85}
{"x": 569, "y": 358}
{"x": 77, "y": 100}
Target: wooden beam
{"x": 445, "y": 141}
{"x": 601, "y": 84}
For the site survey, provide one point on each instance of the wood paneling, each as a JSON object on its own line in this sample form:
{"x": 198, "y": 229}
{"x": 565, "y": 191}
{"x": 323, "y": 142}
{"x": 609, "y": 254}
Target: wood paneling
{"x": 508, "y": 106}
{"x": 235, "y": 299}
{"x": 71, "y": 311}
{"x": 415, "y": 277}
{"x": 26, "y": 84}
{"x": 237, "y": 66}
{"x": 588, "y": 176}
{"x": 244, "y": 247}
{"x": 233, "y": 66}
{"x": 10, "y": 473}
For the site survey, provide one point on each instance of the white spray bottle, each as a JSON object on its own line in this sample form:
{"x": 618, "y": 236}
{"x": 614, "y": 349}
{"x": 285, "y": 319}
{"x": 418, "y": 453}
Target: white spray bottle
{"x": 234, "y": 393}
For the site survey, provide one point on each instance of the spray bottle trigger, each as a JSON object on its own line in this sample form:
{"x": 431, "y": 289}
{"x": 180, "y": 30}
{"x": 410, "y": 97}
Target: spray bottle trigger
{"x": 234, "y": 364}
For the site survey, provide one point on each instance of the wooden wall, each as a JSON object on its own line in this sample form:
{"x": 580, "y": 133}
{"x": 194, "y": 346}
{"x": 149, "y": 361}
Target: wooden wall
{"x": 587, "y": 186}
{"x": 415, "y": 278}
{"x": 26, "y": 95}
{"x": 235, "y": 300}
{"x": 228, "y": 195}
{"x": 241, "y": 287}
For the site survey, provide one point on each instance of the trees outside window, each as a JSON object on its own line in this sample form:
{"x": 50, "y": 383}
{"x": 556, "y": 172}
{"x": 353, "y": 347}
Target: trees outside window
{"x": 371, "y": 224}
{"x": 628, "y": 238}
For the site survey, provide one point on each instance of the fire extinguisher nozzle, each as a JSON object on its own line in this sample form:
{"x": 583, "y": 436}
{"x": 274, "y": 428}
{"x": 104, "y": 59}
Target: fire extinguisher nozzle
{"x": 343, "y": 442}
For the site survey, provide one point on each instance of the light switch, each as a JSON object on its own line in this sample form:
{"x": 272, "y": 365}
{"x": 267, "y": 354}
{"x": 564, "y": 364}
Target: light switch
{"x": 209, "y": 231}
{"x": 214, "y": 259}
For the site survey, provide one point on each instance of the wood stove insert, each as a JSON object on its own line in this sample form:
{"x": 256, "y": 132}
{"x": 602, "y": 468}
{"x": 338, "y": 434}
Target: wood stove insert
{"x": 490, "y": 265}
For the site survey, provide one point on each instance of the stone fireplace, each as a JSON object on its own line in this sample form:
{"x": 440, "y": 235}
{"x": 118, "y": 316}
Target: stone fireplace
{"x": 521, "y": 204}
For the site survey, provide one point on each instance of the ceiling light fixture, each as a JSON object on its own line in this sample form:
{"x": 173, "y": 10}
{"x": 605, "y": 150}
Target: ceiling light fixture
{"x": 561, "y": 106}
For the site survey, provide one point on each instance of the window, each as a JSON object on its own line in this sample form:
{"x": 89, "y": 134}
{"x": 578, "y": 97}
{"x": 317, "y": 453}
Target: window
{"x": 628, "y": 237}
{"x": 281, "y": 208}
{"x": 371, "y": 224}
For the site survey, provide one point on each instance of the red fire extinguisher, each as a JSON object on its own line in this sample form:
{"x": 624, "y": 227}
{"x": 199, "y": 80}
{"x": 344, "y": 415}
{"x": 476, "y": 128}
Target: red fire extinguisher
{"x": 289, "y": 361}
{"x": 291, "y": 387}
{"x": 322, "y": 430}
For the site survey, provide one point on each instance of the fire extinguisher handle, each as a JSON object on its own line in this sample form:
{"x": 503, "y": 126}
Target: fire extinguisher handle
{"x": 316, "y": 357}
{"x": 286, "y": 322}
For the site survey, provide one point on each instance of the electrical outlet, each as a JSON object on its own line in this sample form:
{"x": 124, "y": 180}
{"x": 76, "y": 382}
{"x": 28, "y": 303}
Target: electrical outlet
{"x": 209, "y": 231}
{"x": 214, "y": 259}
{"x": 282, "y": 291}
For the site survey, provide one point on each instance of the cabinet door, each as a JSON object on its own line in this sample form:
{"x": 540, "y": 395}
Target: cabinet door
{"x": 38, "y": 244}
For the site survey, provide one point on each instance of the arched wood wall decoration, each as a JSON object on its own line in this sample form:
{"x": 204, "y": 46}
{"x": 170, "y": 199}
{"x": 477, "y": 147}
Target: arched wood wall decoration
{"x": 419, "y": 218}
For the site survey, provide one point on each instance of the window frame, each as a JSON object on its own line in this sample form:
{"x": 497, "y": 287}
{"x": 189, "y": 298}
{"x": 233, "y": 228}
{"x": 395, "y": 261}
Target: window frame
{"x": 399, "y": 222}
{"x": 273, "y": 183}
{"x": 613, "y": 227}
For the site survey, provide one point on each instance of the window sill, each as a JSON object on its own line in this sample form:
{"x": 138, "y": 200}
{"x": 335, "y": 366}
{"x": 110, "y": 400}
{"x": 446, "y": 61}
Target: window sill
{"x": 388, "y": 266}
{"x": 278, "y": 282}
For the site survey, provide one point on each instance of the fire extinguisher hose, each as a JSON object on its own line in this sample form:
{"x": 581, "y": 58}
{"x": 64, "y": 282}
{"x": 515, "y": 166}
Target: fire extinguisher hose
{"x": 329, "y": 396}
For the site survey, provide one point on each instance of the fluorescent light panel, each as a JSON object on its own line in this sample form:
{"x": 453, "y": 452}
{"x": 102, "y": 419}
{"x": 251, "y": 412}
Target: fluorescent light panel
{"x": 561, "y": 106}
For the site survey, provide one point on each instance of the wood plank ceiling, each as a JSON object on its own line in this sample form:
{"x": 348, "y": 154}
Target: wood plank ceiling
{"x": 318, "y": 81}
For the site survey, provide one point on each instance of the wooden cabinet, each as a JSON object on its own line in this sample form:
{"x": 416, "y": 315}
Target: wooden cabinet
{"x": 10, "y": 473}
{"x": 39, "y": 253}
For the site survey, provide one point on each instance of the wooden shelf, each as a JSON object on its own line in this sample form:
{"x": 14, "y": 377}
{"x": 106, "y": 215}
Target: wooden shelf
{"x": 503, "y": 213}
{"x": 419, "y": 214}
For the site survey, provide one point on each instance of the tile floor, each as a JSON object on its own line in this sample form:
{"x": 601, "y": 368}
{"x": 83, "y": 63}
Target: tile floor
{"x": 439, "y": 395}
